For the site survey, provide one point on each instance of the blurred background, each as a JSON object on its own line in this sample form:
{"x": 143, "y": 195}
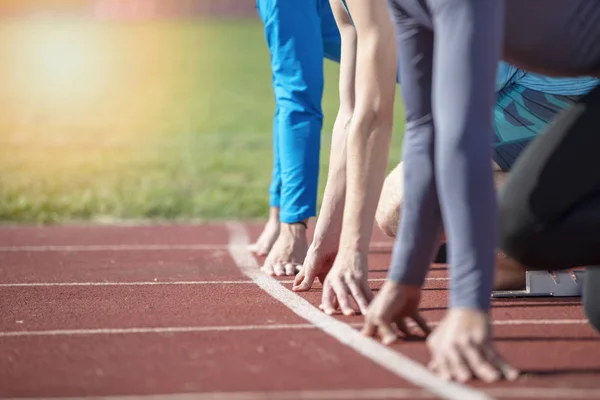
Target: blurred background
{"x": 139, "y": 109}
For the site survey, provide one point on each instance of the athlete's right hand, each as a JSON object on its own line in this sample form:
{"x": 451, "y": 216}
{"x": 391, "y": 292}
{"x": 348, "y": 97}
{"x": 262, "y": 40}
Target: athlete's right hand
{"x": 319, "y": 260}
{"x": 347, "y": 280}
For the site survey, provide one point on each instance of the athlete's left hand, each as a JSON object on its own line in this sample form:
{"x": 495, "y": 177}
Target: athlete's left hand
{"x": 347, "y": 279}
{"x": 461, "y": 348}
{"x": 394, "y": 303}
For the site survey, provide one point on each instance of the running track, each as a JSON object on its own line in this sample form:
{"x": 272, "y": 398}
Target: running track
{"x": 181, "y": 312}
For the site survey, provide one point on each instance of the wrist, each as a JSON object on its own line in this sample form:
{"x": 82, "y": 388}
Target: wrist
{"x": 294, "y": 228}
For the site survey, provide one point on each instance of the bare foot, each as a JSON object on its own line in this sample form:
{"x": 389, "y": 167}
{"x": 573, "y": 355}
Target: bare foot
{"x": 269, "y": 235}
{"x": 510, "y": 274}
{"x": 288, "y": 252}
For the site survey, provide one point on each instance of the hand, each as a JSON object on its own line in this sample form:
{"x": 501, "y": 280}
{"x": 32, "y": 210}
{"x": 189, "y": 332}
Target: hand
{"x": 318, "y": 263}
{"x": 392, "y": 305}
{"x": 288, "y": 252}
{"x": 347, "y": 279}
{"x": 461, "y": 348}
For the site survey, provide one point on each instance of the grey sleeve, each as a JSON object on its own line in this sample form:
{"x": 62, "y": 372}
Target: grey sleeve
{"x": 447, "y": 148}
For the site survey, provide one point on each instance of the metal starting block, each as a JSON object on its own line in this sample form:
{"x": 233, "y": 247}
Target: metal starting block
{"x": 548, "y": 284}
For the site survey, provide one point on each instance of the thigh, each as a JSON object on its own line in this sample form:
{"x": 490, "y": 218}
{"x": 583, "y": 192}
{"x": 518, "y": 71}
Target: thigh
{"x": 560, "y": 168}
{"x": 332, "y": 42}
{"x": 293, "y": 34}
{"x": 550, "y": 205}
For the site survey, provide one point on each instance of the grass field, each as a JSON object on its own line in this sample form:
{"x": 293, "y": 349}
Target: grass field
{"x": 168, "y": 120}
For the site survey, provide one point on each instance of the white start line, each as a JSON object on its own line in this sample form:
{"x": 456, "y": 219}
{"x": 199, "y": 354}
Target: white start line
{"x": 401, "y": 366}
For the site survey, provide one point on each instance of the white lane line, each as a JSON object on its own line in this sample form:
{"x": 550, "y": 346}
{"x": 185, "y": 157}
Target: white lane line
{"x": 161, "y": 330}
{"x": 387, "y": 358}
{"x": 345, "y": 394}
{"x": 227, "y": 328}
{"x": 148, "y": 283}
{"x": 357, "y": 394}
{"x": 545, "y": 393}
{"x": 137, "y": 247}
{"x": 158, "y": 283}
{"x": 116, "y": 247}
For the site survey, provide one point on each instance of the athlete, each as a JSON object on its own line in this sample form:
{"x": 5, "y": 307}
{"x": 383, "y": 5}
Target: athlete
{"x": 299, "y": 36}
{"x": 560, "y": 231}
{"x": 447, "y": 151}
{"x": 526, "y": 103}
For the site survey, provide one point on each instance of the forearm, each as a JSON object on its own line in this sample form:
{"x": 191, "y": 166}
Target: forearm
{"x": 368, "y": 150}
{"x": 464, "y": 85}
{"x": 329, "y": 223}
{"x": 371, "y": 128}
{"x": 420, "y": 225}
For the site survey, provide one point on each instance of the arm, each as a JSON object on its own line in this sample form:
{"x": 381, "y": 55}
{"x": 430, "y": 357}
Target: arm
{"x": 332, "y": 209}
{"x": 371, "y": 127}
{"x": 464, "y": 76}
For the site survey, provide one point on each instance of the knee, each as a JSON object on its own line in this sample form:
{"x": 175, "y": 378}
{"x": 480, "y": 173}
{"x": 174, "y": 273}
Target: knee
{"x": 387, "y": 219}
{"x": 390, "y": 202}
{"x": 518, "y": 237}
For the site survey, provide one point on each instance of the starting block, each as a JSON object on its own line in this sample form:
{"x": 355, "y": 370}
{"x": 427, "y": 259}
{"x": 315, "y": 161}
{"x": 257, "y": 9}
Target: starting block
{"x": 548, "y": 284}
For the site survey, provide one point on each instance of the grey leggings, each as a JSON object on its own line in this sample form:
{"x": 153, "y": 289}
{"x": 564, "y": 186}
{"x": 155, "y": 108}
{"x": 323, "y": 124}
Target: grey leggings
{"x": 448, "y": 92}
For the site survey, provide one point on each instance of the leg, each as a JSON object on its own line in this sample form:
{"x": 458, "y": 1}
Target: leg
{"x": 294, "y": 37}
{"x": 269, "y": 235}
{"x": 550, "y": 205}
{"x": 332, "y": 41}
{"x": 591, "y": 296}
{"x": 520, "y": 115}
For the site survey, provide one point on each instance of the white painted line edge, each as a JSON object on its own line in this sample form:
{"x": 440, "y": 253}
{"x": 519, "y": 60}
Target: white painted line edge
{"x": 233, "y": 328}
{"x": 137, "y": 247}
{"x": 387, "y": 358}
{"x": 357, "y": 394}
{"x": 158, "y": 283}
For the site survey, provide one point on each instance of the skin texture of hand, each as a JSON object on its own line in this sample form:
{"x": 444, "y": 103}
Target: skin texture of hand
{"x": 288, "y": 252}
{"x": 347, "y": 280}
{"x": 393, "y": 304}
{"x": 317, "y": 264}
{"x": 461, "y": 349}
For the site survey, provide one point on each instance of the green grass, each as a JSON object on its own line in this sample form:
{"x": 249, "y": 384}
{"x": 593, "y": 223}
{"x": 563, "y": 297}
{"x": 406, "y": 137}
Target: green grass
{"x": 175, "y": 124}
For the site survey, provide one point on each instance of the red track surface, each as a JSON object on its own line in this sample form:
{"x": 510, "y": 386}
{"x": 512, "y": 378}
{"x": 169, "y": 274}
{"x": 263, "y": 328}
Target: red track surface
{"x": 87, "y": 311}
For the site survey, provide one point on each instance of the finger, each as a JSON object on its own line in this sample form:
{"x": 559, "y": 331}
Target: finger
{"x": 267, "y": 268}
{"x": 402, "y": 327}
{"x": 328, "y": 299}
{"x": 304, "y": 280}
{"x": 421, "y": 323}
{"x": 479, "y": 365}
{"x": 458, "y": 368}
{"x": 335, "y": 305}
{"x": 386, "y": 333}
{"x": 364, "y": 284}
{"x": 369, "y": 329}
{"x": 443, "y": 369}
{"x": 342, "y": 293}
{"x": 509, "y": 372}
{"x": 278, "y": 268}
{"x": 252, "y": 248}
{"x": 298, "y": 279}
{"x": 359, "y": 296}
{"x": 290, "y": 269}
{"x": 433, "y": 366}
